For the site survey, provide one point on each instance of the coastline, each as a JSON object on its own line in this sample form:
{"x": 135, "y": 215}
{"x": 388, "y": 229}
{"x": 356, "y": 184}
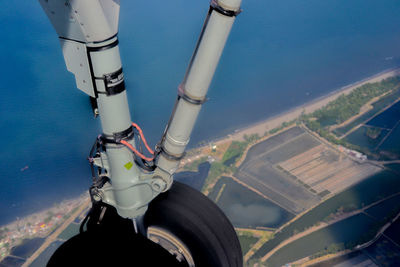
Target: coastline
{"x": 272, "y": 122}
{"x": 37, "y": 217}
{"x": 275, "y": 121}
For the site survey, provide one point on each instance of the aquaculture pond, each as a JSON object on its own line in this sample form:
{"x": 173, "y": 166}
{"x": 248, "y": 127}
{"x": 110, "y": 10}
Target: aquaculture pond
{"x": 381, "y": 134}
{"x": 11, "y": 261}
{"x": 361, "y": 138}
{"x": 388, "y": 118}
{"x": 245, "y": 208}
{"x": 351, "y": 230}
{"x": 70, "y": 231}
{"x": 194, "y": 179}
{"x": 45, "y": 256}
{"x": 394, "y": 167}
{"x": 27, "y": 248}
{"x": 392, "y": 144}
{"x": 389, "y": 207}
{"x": 384, "y": 252}
{"x": 393, "y": 232}
{"x": 378, "y": 186}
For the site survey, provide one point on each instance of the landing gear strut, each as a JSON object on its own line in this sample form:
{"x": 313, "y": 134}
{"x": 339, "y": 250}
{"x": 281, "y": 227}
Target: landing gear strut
{"x": 139, "y": 216}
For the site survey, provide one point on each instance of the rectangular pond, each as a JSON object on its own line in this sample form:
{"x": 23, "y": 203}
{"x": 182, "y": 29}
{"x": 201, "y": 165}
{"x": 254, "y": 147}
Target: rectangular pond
{"x": 347, "y": 231}
{"x": 246, "y": 209}
{"x": 376, "y": 187}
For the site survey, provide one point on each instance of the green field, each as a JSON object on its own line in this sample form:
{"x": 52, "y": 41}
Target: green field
{"x": 377, "y": 107}
{"x": 376, "y": 187}
{"x": 347, "y": 233}
{"x": 246, "y": 242}
{"x": 245, "y": 208}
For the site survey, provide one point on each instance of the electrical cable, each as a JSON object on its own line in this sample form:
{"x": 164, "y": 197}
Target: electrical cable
{"x": 134, "y": 150}
{"x": 125, "y": 143}
{"x": 143, "y": 138}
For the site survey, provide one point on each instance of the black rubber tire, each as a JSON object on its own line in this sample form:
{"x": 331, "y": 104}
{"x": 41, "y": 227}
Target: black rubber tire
{"x": 112, "y": 242}
{"x": 199, "y": 224}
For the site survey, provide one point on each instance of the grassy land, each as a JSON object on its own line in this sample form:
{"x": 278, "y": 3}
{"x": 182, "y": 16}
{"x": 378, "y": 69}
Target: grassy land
{"x": 347, "y": 106}
{"x": 227, "y": 164}
{"x": 377, "y": 107}
{"x": 246, "y": 242}
{"x": 194, "y": 165}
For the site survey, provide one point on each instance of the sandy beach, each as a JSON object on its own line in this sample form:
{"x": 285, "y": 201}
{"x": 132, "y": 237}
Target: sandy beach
{"x": 258, "y": 128}
{"x": 276, "y": 121}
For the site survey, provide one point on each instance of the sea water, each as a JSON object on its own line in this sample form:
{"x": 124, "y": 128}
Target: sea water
{"x": 280, "y": 54}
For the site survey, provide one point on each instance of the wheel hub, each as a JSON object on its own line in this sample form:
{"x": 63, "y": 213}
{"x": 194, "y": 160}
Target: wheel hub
{"x": 170, "y": 243}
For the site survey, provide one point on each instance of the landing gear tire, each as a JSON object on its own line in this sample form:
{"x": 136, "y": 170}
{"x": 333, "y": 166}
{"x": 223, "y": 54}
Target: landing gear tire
{"x": 181, "y": 228}
{"x": 193, "y": 228}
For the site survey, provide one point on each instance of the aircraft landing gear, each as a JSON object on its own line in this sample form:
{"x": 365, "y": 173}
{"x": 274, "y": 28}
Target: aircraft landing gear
{"x": 182, "y": 227}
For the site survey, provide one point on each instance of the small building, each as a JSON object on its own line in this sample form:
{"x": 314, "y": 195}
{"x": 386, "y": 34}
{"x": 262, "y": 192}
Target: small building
{"x": 213, "y": 147}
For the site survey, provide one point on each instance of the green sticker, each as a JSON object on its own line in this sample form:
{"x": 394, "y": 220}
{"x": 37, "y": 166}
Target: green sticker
{"x": 129, "y": 165}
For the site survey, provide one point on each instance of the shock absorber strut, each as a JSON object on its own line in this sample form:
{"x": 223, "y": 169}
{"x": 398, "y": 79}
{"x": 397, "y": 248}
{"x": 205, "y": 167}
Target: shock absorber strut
{"x": 192, "y": 91}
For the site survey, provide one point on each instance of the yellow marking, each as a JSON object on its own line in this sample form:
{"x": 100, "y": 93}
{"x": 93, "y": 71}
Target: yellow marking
{"x": 129, "y": 165}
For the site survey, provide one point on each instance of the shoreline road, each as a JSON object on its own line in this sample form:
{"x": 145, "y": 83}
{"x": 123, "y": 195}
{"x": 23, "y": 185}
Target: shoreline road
{"x": 53, "y": 237}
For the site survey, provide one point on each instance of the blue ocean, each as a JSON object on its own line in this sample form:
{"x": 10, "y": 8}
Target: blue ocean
{"x": 280, "y": 54}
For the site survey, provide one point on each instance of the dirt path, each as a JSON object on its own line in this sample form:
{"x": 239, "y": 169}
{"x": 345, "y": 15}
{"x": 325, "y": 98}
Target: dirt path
{"x": 257, "y": 246}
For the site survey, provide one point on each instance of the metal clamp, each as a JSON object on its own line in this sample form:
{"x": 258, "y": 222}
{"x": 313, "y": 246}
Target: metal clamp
{"x": 117, "y": 137}
{"x": 214, "y": 5}
{"x": 170, "y": 156}
{"x": 182, "y": 94}
{"x": 113, "y": 83}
